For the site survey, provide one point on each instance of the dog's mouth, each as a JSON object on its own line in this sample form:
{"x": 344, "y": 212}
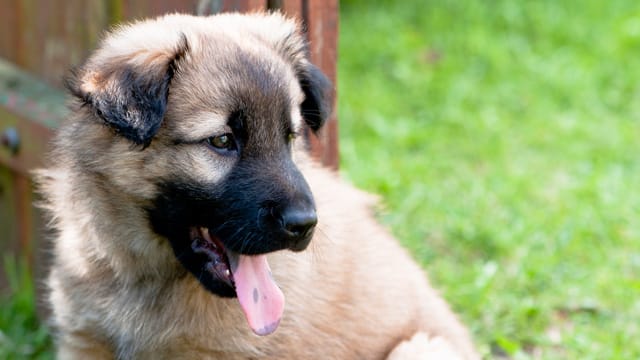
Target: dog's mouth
{"x": 218, "y": 265}
{"x": 260, "y": 297}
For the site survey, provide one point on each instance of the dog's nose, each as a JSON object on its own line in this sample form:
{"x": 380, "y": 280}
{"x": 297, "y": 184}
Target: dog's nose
{"x": 297, "y": 226}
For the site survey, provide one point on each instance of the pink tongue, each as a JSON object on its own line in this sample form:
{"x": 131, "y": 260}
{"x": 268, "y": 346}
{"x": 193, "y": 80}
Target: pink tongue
{"x": 261, "y": 299}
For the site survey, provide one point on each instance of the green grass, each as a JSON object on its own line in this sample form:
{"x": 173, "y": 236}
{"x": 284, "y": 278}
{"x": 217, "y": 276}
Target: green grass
{"x": 22, "y": 336}
{"x": 504, "y": 137}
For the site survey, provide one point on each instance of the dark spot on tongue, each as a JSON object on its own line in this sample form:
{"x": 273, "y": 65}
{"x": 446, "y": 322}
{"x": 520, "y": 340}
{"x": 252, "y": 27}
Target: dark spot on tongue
{"x": 268, "y": 329}
{"x": 256, "y": 295}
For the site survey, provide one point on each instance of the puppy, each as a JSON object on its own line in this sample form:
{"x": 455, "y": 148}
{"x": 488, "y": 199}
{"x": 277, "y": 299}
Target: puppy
{"x": 186, "y": 210}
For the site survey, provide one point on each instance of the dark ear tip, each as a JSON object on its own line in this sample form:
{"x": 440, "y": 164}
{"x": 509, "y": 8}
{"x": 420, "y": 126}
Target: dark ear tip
{"x": 131, "y": 100}
{"x": 319, "y": 95}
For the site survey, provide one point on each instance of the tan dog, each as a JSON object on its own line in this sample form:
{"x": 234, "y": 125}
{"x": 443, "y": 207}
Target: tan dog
{"x": 177, "y": 190}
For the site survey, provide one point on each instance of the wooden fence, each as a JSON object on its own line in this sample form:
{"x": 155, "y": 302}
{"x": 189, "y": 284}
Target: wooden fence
{"x": 40, "y": 40}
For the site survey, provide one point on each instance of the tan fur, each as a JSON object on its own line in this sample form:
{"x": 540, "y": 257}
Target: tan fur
{"x": 116, "y": 288}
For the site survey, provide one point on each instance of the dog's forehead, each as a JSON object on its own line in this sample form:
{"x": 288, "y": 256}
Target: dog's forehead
{"x": 222, "y": 76}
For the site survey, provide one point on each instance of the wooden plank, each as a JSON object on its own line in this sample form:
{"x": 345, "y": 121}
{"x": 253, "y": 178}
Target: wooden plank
{"x": 136, "y": 9}
{"x": 322, "y": 26}
{"x": 51, "y": 36}
{"x": 9, "y": 238}
{"x": 182, "y": 6}
{"x": 97, "y": 17}
{"x": 26, "y": 35}
{"x": 244, "y": 5}
{"x": 115, "y": 11}
{"x": 290, "y": 7}
{"x": 25, "y": 95}
{"x": 24, "y": 214}
{"x": 9, "y": 221}
{"x": 8, "y": 27}
{"x": 321, "y": 18}
{"x": 7, "y": 211}
{"x": 32, "y": 109}
{"x": 23, "y": 234}
{"x": 132, "y": 9}
{"x": 293, "y": 7}
{"x": 68, "y": 45}
{"x": 33, "y": 143}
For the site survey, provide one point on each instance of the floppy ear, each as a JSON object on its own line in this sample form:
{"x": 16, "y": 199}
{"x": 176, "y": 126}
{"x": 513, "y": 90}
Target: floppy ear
{"x": 128, "y": 89}
{"x": 318, "y": 92}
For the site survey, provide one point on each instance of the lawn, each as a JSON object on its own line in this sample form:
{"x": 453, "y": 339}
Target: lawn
{"x": 504, "y": 137}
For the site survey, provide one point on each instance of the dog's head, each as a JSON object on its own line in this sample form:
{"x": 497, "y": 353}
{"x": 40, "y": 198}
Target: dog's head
{"x": 200, "y": 117}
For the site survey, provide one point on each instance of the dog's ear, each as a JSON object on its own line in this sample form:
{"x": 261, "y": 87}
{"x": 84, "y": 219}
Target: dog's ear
{"x": 286, "y": 37}
{"x": 318, "y": 97}
{"x": 127, "y": 86}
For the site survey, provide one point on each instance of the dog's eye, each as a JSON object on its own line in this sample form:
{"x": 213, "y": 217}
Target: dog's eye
{"x": 292, "y": 136}
{"x": 222, "y": 142}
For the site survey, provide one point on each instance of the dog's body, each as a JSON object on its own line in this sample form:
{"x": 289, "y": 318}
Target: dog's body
{"x": 167, "y": 212}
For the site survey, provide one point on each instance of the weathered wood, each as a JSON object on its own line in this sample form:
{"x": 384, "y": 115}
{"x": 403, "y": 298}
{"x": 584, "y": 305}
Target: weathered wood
{"x": 135, "y": 9}
{"x": 321, "y": 18}
{"x": 24, "y": 214}
{"x": 22, "y": 227}
{"x": 290, "y": 7}
{"x": 51, "y": 37}
{"x": 33, "y": 143}
{"x": 8, "y": 224}
{"x": 98, "y": 16}
{"x": 244, "y": 5}
{"x": 8, "y": 27}
{"x": 32, "y": 109}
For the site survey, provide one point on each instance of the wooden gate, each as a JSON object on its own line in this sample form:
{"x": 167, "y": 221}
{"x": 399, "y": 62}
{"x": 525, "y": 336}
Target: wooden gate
{"x": 41, "y": 40}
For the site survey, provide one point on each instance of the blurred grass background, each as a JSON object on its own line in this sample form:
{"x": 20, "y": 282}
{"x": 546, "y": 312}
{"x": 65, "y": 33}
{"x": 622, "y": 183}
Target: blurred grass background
{"x": 503, "y": 138}
{"x": 22, "y": 335}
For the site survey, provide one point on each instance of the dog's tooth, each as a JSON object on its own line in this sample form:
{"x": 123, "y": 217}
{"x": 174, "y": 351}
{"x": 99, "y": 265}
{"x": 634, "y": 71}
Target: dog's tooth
{"x": 205, "y": 233}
